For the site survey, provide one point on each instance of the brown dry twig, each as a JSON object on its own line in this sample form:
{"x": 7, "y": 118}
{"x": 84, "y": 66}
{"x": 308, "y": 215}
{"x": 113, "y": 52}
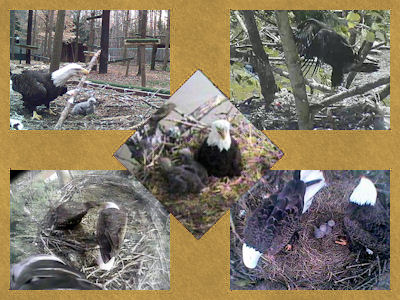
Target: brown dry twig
{"x": 75, "y": 93}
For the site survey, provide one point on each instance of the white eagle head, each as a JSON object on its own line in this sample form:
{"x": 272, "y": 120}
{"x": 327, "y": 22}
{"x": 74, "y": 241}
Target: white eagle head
{"x": 61, "y": 76}
{"x": 220, "y": 135}
{"x": 365, "y": 192}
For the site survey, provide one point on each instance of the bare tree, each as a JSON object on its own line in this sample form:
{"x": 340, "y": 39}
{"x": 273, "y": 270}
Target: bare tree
{"x": 167, "y": 36}
{"x": 142, "y": 32}
{"x": 295, "y": 74}
{"x": 91, "y": 30}
{"x": 77, "y": 23}
{"x": 57, "y": 44}
{"x": 29, "y": 37}
{"x": 126, "y": 27}
{"x": 12, "y": 33}
{"x": 50, "y": 33}
{"x": 105, "y": 41}
{"x": 261, "y": 61}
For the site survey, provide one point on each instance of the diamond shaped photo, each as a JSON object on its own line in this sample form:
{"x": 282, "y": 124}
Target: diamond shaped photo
{"x": 313, "y": 230}
{"x": 197, "y": 154}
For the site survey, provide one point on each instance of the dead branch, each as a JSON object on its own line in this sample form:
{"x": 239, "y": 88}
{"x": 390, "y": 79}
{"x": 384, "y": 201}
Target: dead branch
{"x": 311, "y": 84}
{"x": 75, "y": 93}
{"x": 204, "y": 109}
{"x": 358, "y": 90}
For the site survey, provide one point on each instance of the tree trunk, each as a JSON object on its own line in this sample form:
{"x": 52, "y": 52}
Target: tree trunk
{"x": 46, "y": 34}
{"x": 105, "y": 41}
{"x": 167, "y": 37}
{"x": 153, "y": 57}
{"x": 29, "y": 37}
{"x": 295, "y": 74}
{"x": 91, "y": 31}
{"x": 12, "y": 34}
{"x": 126, "y": 27}
{"x": 34, "y": 29}
{"x": 58, "y": 39}
{"x": 78, "y": 16}
{"x": 142, "y": 32}
{"x": 49, "y": 40}
{"x": 261, "y": 62}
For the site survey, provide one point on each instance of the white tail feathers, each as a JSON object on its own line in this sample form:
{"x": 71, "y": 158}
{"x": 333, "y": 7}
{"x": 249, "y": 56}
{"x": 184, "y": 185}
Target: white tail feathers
{"x": 307, "y": 176}
{"x": 365, "y": 192}
{"x": 105, "y": 266}
{"x": 250, "y": 256}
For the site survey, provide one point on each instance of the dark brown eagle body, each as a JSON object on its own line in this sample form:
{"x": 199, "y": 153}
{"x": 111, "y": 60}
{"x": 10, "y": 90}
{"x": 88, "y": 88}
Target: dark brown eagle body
{"x": 274, "y": 222}
{"x": 221, "y": 163}
{"x": 367, "y": 226}
{"x": 110, "y": 232}
{"x": 316, "y": 40}
{"x": 69, "y": 214}
{"x": 36, "y": 88}
{"x": 46, "y": 272}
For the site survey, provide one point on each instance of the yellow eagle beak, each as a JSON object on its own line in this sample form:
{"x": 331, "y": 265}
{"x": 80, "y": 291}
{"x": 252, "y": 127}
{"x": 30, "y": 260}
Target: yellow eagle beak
{"x": 84, "y": 71}
{"x": 221, "y": 132}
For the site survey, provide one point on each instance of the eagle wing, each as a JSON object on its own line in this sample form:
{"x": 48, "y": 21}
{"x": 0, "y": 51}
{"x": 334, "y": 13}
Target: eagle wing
{"x": 111, "y": 229}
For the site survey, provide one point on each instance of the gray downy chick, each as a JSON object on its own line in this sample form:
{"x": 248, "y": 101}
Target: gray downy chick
{"x": 84, "y": 108}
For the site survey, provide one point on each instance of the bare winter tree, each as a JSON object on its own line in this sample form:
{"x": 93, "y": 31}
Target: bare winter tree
{"x": 126, "y": 27}
{"x": 12, "y": 33}
{"x": 167, "y": 37}
{"x": 105, "y": 41}
{"x": 29, "y": 37}
{"x": 261, "y": 61}
{"x": 142, "y": 32}
{"x": 50, "y": 33}
{"x": 295, "y": 74}
{"x": 77, "y": 23}
{"x": 57, "y": 44}
{"x": 91, "y": 30}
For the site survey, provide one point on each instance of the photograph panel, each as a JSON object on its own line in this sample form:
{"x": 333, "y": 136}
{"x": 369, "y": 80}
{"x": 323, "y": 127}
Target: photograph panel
{"x": 84, "y": 230}
{"x": 313, "y": 230}
{"x": 87, "y": 69}
{"x": 311, "y": 69}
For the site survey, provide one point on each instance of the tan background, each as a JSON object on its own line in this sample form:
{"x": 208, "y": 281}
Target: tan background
{"x": 200, "y": 40}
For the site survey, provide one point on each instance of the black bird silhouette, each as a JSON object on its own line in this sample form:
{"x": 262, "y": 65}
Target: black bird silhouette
{"x": 316, "y": 40}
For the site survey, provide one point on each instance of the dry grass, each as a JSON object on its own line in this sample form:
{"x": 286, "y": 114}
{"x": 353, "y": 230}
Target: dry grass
{"x": 313, "y": 263}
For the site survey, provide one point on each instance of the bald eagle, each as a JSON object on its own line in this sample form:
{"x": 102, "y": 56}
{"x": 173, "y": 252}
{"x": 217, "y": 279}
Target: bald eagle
{"x": 366, "y": 221}
{"x": 40, "y": 87}
{"x": 47, "y": 272}
{"x": 316, "y": 40}
{"x": 69, "y": 214}
{"x": 220, "y": 153}
{"x": 273, "y": 224}
{"x": 110, "y": 233}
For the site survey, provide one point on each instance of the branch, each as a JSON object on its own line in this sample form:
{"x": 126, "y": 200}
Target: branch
{"x": 311, "y": 84}
{"x": 75, "y": 93}
{"x": 358, "y": 90}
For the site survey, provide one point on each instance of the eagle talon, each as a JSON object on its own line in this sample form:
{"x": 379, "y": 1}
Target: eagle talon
{"x": 52, "y": 112}
{"x": 36, "y": 116}
{"x": 342, "y": 242}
